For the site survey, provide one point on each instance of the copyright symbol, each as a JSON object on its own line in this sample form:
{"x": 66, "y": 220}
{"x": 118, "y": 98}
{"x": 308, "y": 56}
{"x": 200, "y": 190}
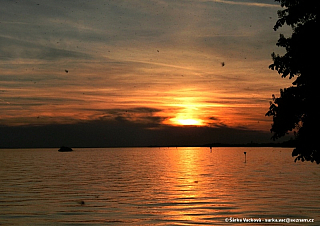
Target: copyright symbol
{"x": 226, "y": 220}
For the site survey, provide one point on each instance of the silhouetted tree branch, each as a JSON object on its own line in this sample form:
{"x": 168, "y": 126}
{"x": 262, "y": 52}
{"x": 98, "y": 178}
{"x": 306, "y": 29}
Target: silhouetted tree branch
{"x": 297, "y": 107}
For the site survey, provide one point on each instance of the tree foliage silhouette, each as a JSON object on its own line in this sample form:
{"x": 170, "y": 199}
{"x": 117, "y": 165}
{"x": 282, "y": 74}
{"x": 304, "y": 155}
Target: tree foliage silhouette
{"x": 297, "y": 107}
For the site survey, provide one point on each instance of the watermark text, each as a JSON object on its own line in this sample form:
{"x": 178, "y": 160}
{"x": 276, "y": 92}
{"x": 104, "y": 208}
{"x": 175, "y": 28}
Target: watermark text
{"x": 268, "y": 220}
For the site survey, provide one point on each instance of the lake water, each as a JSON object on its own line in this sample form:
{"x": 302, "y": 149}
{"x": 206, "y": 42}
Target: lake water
{"x": 156, "y": 186}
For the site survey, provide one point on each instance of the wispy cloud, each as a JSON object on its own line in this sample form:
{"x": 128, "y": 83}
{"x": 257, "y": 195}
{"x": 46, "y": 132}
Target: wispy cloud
{"x": 13, "y": 48}
{"x": 256, "y": 4}
{"x": 136, "y": 56}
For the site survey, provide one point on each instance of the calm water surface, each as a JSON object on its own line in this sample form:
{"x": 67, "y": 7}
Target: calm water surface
{"x": 155, "y": 186}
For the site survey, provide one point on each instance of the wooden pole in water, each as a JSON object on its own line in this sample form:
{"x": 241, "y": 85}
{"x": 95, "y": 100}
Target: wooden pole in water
{"x": 245, "y": 157}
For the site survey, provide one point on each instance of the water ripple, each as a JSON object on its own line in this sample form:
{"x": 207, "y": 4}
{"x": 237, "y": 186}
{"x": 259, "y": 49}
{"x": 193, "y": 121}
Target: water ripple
{"x": 151, "y": 186}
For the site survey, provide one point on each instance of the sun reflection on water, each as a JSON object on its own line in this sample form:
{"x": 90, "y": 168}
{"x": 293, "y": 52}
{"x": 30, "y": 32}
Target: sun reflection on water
{"x": 155, "y": 186}
{"x": 194, "y": 190}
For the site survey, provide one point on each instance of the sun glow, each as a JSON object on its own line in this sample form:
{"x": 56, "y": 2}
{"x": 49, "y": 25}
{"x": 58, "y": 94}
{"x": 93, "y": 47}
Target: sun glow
{"x": 190, "y": 111}
{"x": 187, "y": 122}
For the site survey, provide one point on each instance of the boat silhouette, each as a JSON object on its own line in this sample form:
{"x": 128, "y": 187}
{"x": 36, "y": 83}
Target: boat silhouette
{"x": 65, "y": 149}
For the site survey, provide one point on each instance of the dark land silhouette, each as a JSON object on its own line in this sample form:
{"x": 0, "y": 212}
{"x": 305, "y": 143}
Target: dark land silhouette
{"x": 297, "y": 107}
{"x": 124, "y": 133}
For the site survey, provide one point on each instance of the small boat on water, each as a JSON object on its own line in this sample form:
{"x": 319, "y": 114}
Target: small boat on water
{"x": 65, "y": 149}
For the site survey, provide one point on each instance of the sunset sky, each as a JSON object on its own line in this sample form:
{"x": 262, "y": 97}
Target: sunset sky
{"x": 150, "y": 64}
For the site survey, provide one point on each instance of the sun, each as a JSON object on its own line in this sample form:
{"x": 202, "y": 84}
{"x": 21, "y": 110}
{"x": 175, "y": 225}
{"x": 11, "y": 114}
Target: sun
{"x": 188, "y": 112}
{"x": 186, "y": 121}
